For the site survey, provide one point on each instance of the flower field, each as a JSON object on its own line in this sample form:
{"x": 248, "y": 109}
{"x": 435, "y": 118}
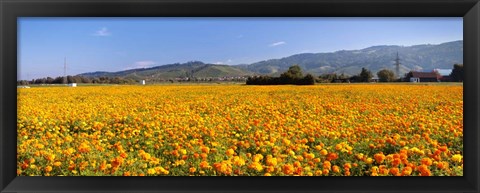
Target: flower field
{"x": 217, "y": 130}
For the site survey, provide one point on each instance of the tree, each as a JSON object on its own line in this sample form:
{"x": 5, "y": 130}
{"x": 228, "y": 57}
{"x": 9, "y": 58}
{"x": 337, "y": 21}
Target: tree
{"x": 294, "y": 72}
{"x": 457, "y": 73}
{"x": 327, "y": 77}
{"x": 386, "y": 75}
{"x": 50, "y": 80}
{"x": 365, "y": 75}
{"x": 308, "y": 80}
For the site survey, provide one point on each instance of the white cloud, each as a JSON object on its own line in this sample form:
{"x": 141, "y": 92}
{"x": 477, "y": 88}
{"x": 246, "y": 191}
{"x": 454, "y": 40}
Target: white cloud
{"x": 102, "y": 32}
{"x": 141, "y": 64}
{"x": 224, "y": 62}
{"x": 277, "y": 44}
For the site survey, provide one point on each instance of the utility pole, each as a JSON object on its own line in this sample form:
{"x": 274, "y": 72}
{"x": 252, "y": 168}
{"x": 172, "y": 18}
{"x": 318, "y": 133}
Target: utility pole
{"x": 397, "y": 66}
{"x": 65, "y": 71}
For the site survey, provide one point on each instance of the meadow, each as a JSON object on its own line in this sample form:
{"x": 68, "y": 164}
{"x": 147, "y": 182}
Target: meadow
{"x": 230, "y": 130}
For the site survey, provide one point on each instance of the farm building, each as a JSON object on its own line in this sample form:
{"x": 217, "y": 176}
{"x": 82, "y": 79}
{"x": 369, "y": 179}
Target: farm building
{"x": 424, "y": 77}
{"x": 72, "y": 85}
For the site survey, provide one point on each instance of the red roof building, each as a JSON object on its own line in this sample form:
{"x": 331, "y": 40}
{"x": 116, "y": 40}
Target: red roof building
{"x": 425, "y": 77}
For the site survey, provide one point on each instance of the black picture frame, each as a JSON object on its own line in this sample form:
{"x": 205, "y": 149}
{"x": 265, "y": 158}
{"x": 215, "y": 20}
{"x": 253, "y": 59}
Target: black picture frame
{"x": 10, "y": 10}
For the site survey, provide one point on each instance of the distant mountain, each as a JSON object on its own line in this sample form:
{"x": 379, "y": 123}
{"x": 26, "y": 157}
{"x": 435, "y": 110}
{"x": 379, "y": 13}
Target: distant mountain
{"x": 194, "y": 69}
{"x": 375, "y": 58}
{"x": 349, "y": 62}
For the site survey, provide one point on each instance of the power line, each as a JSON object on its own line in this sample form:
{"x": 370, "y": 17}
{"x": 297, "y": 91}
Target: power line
{"x": 397, "y": 65}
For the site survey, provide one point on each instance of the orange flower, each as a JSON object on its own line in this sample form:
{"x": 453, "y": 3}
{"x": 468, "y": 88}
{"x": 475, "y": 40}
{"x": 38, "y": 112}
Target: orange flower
{"x": 338, "y": 147}
{"x": 297, "y": 164}
{"x": 57, "y": 164}
{"x": 116, "y": 162}
{"x": 229, "y": 152}
{"x": 336, "y": 169}
{"x": 325, "y": 171}
{"x": 347, "y": 166}
{"x": 396, "y": 162}
{"x": 426, "y": 161}
{"x": 204, "y": 165}
{"x": 84, "y": 148}
{"x": 205, "y": 149}
{"x": 204, "y": 156}
{"x": 443, "y": 148}
{"x": 442, "y": 165}
{"x": 103, "y": 166}
{"x": 424, "y": 171}
{"x": 406, "y": 171}
{"x": 332, "y": 156}
{"x": 123, "y": 155}
{"x": 395, "y": 171}
{"x": 327, "y": 165}
{"x": 383, "y": 169}
{"x": 379, "y": 157}
{"x": 288, "y": 169}
{"x": 48, "y": 169}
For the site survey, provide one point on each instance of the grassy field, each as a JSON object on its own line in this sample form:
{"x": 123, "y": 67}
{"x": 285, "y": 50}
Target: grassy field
{"x": 203, "y": 130}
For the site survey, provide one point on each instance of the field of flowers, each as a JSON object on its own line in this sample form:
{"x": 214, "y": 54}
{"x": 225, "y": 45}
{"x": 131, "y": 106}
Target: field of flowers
{"x": 206, "y": 130}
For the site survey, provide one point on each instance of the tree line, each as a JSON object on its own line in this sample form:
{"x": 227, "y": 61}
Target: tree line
{"x": 78, "y": 79}
{"x": 386, "y": 75}
{"x": 293, "y": 76}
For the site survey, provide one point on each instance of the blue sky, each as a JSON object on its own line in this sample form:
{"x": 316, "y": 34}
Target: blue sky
{"x": 114, "y": 44}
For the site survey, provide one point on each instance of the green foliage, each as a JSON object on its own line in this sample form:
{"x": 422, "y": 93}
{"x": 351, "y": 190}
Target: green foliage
{"x": 292, "y": 76}
{"x": 294, "y": 72}
{"x": 457, "y": 73}
{"x": 329, "y": 78}
{"x": 78, "y": 79}
{"x": 365, "y": 75}
{"x": 386, "y": 75}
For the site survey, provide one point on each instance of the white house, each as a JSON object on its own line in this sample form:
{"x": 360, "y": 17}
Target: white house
{"x": 72, "y": 85}
{"x": 142, "y": 82}
{"x": 414, "y": 79}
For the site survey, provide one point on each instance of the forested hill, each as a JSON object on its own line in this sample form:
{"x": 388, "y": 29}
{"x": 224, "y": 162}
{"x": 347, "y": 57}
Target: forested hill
{"x": 375, "y": 58}
{"x": 349, "y": 62}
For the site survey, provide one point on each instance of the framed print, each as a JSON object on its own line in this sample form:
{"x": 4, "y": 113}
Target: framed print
{"x": 251, "y": 96}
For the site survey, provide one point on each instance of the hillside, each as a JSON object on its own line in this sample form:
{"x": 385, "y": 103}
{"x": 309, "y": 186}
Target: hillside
{"x": 349, "y": 62}
{"x": 186, "y": 70}
{"x": 418, "y": 57}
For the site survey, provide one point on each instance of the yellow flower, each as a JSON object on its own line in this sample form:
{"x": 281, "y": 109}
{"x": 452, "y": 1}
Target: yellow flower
{"x": 151, "y": 171}
{"x": 230, "y": 152}
{"x": 323, "y": 152}
{"x": 257, "y": 166}
{"x": 457, "y": 158}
